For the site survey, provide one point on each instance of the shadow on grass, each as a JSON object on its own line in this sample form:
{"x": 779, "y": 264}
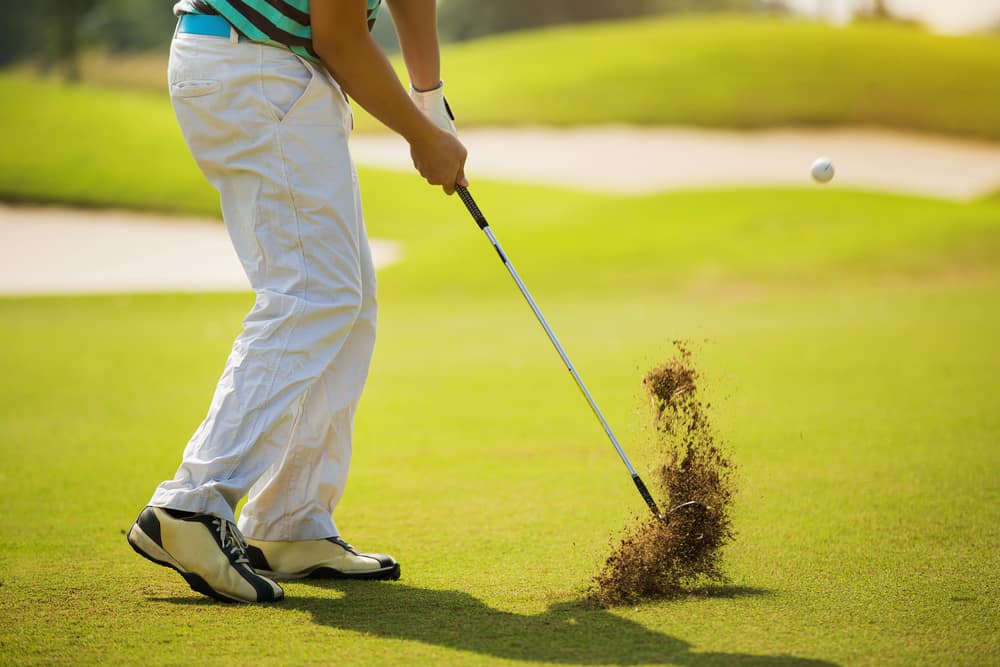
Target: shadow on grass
{"x": 573, "y": 632}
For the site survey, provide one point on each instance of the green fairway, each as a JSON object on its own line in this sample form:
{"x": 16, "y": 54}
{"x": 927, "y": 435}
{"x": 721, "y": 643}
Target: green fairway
{"x": 848, "y": 343}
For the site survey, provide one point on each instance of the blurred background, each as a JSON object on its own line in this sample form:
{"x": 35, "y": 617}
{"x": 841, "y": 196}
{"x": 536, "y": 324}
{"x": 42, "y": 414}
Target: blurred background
{"x": 671, "y": 94}
{"x": 53, "y": 35}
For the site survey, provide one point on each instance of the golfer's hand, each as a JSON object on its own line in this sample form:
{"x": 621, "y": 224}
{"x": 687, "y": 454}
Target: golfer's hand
{"x": 433, "y": 105}
{"x": 440, "y": 158}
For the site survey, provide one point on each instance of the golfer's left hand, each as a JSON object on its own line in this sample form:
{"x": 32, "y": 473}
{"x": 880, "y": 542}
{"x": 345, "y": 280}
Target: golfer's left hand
{"x": 440, "y": 158}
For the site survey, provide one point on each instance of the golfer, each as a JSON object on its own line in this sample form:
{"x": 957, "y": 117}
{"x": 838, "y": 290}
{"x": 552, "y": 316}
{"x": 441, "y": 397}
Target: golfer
{"x": 260, "y": 89}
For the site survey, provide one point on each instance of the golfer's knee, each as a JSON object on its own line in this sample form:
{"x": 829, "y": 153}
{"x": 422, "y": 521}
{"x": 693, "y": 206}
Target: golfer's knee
{"x": 343, "y": 303}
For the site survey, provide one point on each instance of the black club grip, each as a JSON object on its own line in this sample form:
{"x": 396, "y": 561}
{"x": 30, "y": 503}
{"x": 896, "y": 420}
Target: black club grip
{"x": 470, "y": 204}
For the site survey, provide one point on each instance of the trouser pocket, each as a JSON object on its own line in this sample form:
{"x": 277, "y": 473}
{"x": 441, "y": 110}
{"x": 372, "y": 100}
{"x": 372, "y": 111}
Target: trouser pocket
{"x": 195, "y": 87}
{"x": 299, "y": 92}
{"x": 284, "y": 80}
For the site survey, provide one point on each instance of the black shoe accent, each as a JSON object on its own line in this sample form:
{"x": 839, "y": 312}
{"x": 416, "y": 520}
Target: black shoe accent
{"x": 264, "y": 591}
{"x": 178, "y": 514}
{"x": 199, "y": 585}
{"x": 386, "y": 561}
{"x": 390, "y": 568}
{"x": 150, "y": 524}
{"x": 238, "y": 559}
{"x": 342, "y": 544}
{"x": 257, "y": 559}
{"x": 390, "y": 574}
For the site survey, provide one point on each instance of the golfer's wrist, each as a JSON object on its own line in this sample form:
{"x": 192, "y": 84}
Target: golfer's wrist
{"x": 419, "y": 87}
{"x": 422, "y": 131}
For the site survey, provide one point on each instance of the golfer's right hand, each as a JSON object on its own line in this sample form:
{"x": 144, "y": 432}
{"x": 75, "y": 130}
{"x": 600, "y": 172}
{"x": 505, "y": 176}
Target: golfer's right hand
{"x": 440, "y": 158}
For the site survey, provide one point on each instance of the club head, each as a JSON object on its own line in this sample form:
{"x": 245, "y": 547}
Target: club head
{"x": 689, "y": 506}
{"x": 692, "y": 510}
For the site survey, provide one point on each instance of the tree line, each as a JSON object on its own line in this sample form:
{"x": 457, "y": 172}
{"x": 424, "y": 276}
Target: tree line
{"x": 52, "y": 33}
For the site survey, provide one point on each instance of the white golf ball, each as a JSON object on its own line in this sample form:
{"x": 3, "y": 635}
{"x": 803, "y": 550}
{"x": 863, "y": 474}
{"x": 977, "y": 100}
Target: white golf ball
{"x": 822, "y": 170}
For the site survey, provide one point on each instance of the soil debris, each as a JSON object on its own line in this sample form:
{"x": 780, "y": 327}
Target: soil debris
{"x": 664, "y": 560}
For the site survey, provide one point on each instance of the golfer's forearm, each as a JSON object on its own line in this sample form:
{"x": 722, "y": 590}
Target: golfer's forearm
{"x": 416, "y": 26}
{"x": 362, "y": 70}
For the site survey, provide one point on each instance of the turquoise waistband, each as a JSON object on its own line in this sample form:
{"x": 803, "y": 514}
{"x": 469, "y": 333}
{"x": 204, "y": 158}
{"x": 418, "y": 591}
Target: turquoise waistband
{"x": 204, "y": 24}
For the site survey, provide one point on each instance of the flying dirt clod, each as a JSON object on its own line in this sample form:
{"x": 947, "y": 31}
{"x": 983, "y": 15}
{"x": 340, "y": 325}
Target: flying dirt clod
{"x": 657, "y": 559}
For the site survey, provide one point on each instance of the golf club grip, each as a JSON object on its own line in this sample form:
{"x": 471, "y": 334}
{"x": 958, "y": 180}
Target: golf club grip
{"x": 470, "y": 203}
{"x": 646, "y": 495}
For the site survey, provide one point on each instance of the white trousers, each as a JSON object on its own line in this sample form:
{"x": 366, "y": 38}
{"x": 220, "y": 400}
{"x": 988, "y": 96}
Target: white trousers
{"x": 270, "y": 132}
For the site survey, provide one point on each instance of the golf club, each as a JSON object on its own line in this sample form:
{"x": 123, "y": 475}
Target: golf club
{"x": 480, "y": 219}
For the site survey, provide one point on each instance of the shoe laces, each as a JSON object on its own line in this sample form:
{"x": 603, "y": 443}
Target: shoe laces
{"x": 232, "y": 540}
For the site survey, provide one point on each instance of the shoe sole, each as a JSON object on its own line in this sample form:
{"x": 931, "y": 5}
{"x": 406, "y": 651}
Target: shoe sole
{"x": 385, "y": 574}
{"x": 146, "y": 547}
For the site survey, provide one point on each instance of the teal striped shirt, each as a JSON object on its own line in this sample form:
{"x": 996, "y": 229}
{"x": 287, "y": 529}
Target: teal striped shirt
{"x": 277, "y": 22}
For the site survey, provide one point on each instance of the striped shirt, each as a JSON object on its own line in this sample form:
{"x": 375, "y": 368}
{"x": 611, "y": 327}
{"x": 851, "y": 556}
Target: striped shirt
{"x": 277, "y": 22}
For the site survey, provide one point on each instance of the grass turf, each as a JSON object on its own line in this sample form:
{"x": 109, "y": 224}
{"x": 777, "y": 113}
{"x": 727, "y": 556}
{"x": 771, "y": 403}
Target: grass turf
{"x": 848, "y": 345}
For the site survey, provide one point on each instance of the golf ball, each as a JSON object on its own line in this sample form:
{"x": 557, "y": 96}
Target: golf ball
{"x": 822, "y": 170}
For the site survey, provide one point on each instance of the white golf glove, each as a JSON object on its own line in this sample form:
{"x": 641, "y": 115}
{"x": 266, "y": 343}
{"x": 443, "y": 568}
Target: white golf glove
{"x": 435, "y": 107}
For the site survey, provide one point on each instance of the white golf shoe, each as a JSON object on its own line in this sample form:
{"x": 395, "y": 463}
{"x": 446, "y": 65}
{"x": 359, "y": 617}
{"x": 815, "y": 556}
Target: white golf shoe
{"x": 332, "y": 558}
{"x": 209, "y": 552}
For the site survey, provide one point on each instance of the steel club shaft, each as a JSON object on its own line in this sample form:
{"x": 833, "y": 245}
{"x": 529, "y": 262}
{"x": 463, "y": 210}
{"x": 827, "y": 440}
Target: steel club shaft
{"x": 480, "y": 220}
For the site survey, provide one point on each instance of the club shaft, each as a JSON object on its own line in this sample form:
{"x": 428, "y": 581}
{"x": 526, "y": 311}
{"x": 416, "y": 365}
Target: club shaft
{"x": 559, "y": 348}
{"x": 481, "y": 221}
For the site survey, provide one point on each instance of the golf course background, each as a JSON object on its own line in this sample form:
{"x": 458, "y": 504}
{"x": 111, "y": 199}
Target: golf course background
{"x": 115, "y": 142}
{"x": 847, "y": 341}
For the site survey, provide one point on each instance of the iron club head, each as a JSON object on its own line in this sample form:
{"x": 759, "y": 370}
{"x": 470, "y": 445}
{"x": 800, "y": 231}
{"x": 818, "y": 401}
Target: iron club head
{"x": 689, "y": 506}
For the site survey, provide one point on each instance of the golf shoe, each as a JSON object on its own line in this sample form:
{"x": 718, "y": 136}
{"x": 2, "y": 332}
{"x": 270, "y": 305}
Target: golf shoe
{"x": 209, "y": 552}
{"x": 332, "y": 558}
